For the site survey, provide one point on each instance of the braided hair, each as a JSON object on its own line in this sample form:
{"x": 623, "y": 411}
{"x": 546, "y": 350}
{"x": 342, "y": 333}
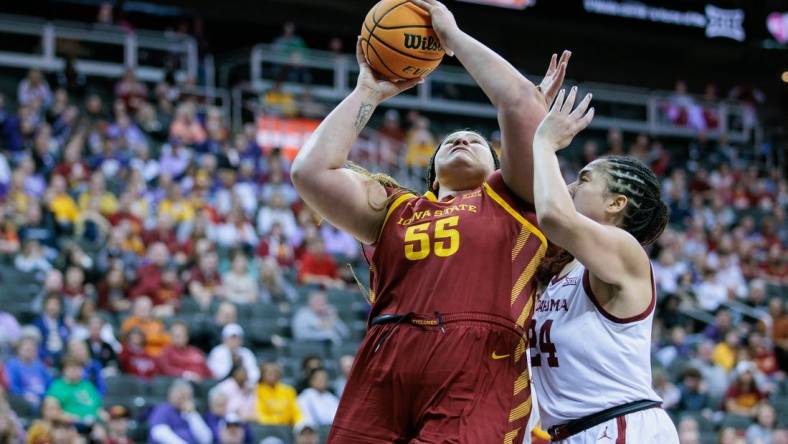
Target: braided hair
{"x": 432, "y": 174}
{"x": 645, "y": 215}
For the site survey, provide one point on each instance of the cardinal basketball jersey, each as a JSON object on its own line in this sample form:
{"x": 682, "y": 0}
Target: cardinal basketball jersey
{"x": 584, "y": 359}
{"x": 476, "y": 252}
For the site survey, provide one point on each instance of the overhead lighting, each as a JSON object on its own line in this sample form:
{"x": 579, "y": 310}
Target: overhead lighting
{"x": 785, "y": 76}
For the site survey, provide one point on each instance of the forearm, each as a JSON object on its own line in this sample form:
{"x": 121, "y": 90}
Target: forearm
{"x": 499, "y": 80}
{"x": 553, "y": 203}
{"x": 329, "y": 146}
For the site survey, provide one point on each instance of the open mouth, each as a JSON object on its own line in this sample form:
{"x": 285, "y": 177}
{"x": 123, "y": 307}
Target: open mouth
{"x": 459, "y": 147}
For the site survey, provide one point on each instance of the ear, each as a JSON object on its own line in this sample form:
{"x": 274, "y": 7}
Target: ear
{"x": 616, "y": 204}
{"x": 435, "y": 185}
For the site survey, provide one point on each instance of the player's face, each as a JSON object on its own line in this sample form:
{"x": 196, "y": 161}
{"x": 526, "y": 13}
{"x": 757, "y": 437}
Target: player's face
{"x": 589, "y": 191}
{"x": 463, "y": 161}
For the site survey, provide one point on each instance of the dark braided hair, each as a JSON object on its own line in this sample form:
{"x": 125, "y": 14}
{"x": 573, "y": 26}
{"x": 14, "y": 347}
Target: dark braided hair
{"x": 645, "y": 215}
{"x": 432, "y": 174}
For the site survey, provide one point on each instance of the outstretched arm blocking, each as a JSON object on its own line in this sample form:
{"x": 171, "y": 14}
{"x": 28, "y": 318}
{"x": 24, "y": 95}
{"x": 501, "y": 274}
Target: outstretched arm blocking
{"x": 521, "y": 105}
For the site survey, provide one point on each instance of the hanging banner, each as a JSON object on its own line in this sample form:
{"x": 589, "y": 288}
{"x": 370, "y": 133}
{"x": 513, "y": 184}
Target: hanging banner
{"x": 286, "y": 134}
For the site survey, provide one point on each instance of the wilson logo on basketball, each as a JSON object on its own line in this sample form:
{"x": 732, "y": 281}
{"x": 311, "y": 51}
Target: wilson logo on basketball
{"x": 425, "y": 43}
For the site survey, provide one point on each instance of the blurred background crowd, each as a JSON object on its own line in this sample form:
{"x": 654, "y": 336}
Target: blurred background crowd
{"x": 161, "y": 281}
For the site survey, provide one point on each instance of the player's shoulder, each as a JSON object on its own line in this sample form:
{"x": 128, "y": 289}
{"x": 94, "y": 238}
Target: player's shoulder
{"x": 507, "y": 200}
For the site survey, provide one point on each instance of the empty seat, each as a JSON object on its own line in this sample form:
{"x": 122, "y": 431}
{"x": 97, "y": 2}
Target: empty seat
{"x": 298, "y": 350}
{"x": 159, "y": 386}
{"x": 125, "y": 385}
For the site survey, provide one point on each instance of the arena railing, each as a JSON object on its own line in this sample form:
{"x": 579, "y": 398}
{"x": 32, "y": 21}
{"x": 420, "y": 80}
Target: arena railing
{"x": 100, "y": 50}
{"x": 450, "y": 90}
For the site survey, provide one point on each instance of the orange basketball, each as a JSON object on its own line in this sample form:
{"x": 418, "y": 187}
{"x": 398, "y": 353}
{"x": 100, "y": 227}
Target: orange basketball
{"x": 398, "y": 41}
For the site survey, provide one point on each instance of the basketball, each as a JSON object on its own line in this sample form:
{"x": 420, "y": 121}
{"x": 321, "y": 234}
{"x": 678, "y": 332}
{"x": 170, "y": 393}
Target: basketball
{"x": 398, "y": 40}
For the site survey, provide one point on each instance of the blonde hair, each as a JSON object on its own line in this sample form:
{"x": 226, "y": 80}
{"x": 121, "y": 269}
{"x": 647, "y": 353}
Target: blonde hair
{"x": 383, "y": 179}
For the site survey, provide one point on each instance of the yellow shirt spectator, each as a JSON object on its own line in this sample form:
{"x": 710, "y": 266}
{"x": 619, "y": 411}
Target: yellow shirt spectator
{"x": 724, "y": 356}
{"x": 64, "y": 208}
{"x": 277, "y": 405}
{"x": 421, "y": 144}
{"x": 107, "y": 205}
{"x": 180, "y": 211}
{"x": 280, "y": 102}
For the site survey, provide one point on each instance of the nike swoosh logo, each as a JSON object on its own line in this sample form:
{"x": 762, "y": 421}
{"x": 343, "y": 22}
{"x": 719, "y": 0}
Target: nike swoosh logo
{"x": 497, "y": 356}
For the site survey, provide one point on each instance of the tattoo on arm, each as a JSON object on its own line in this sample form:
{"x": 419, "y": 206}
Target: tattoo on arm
{"x": 364, "y": 113}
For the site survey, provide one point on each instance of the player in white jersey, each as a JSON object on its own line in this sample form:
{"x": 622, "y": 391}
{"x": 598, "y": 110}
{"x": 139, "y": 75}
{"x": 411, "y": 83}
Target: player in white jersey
{"x": 591, "y": 334}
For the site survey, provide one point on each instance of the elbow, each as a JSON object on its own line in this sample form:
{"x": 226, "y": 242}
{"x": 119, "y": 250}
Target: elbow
{"x": 522, "y": 96}
{"x": 553, "y": 222}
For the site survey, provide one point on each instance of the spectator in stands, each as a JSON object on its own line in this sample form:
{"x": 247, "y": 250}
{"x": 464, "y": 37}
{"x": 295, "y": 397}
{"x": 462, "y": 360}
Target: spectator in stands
{"x": 181, "y": 360}
{"x": 62, "y": 205}
{"x": 318, "y": 267}
{"x": 689, "y": 432}
{"x": 27, "y": 375}
{"x": 278, "y": 102}
{"x": 11, "y": 429}
{"x": 210, "y": 335}
{"x": 78, "y": 396}
{"x": 338, "y": 242}
{"x": 240, "y": 393}
{"x": 724, "y": 353}
{"x": 274, "y": 288}
{"x": 34, "y": 90}
{"x": 294, "y": 47}
{"x": 10, "y": 331}
{"x": 205, "y": 282}
{"x": 306, "y": 434}
{"x": 744, "y": 394}
{"x": 151, "y": 280}
{"x": 780, "y": 335}
{"x": 131, "y": 91}
{"x": 232, "y": 430}
{"x": 317, "y": 402}
{"x": 239, "y": 286}
{"x": 763, "y": 430}
{"x": 236, "y": 232}
{"x": 177, "y": 420}
{"x": 345, "y": 365}
{"x": 276, "y": 212}
{"x": 156, "y": 337}
{"x": 309, "y": 364}
{"x": 53, "y": 328}
{"x": 231, "y": 352}
{"x": 52, "y": 416}
{"x": 714, "y": 377}
{"x": 77, "y": 350}
{"x": 722, "y": 324}
{"x": 420, "y": 144}
{"x": 694, "y": 396}
{"x": 276, "y": 244}
{"x": 665, "y": 389}
{"x": 318, "y": 321}
{"x": 31, "y": 258}
{"x": 186, "y": 128}
{"x": 100, "y": 349}
{"x": 134, "y": 359}
{"x": 217, "y": 417}
{"x": 118, "y": 425}
{"x": 762, "y": 355}
{"x": 276, "y": 401}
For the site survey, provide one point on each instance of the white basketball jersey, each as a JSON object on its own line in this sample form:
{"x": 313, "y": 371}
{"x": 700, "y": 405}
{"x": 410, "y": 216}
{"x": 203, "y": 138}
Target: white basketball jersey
{"x": 584, "y": 359}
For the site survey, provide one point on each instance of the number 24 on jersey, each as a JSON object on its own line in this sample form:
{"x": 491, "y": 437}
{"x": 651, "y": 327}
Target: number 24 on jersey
{"x": 445, "y": 240}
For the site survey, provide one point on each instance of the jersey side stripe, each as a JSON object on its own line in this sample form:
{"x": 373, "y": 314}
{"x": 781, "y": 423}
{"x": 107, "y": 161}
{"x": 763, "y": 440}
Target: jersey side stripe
{"x": 519, "y": 217}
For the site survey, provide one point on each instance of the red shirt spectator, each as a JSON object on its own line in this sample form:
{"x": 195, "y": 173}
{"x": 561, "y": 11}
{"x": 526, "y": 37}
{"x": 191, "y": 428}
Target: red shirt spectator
{"x": 134, "y": 360}
{"x": 182, "y": 360}
{"x": 317, "y": 266}
{"x": 3, "y": 377}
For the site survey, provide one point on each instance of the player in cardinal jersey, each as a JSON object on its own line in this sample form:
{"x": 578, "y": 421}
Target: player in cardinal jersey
{"x": 590, "y": 338}
{"x": 452, "y": 272}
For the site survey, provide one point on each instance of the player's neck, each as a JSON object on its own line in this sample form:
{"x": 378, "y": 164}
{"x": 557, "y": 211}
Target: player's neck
{"x": 568, "y": 268}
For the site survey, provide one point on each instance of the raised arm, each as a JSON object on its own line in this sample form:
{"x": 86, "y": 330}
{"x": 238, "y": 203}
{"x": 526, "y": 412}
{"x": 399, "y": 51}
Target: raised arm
{"x": 347, "y": 199}
{"x": 521, "y": 105}
{"x": 611, "y": 255}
